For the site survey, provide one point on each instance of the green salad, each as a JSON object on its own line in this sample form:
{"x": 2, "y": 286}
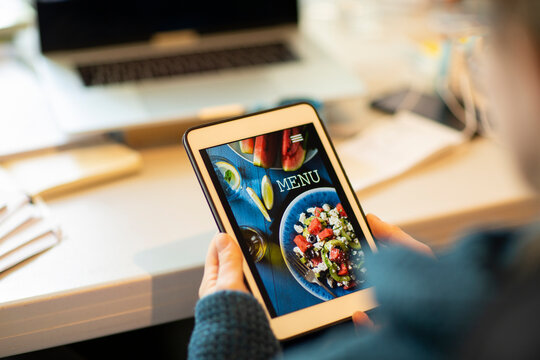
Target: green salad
{"x": 327, "y": 244}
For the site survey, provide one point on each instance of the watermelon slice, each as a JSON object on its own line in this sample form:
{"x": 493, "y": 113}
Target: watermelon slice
{"x": 246, "y": 146}
{"x": 293, "y": 154}
{"x": 265, "y": 150}
{"x": 302, "y": 243}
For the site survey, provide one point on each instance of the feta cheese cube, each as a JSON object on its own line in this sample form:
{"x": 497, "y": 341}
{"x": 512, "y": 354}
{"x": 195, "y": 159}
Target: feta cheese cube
{"x": 299, "y": 229}
{"x": 321, "y": 267}
{"x": 334, "y": 220}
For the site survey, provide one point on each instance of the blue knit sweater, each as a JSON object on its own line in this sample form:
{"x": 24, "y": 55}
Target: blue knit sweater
{"x": 427, "y": 306}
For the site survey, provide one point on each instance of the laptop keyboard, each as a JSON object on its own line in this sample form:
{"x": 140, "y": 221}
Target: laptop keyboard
{"x": 184, "y": 64}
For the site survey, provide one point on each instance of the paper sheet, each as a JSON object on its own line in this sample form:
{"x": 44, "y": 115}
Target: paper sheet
{"x": 26, "y": 227}
{"x": 30, "y": 249}
{"x": 387, "y": 150}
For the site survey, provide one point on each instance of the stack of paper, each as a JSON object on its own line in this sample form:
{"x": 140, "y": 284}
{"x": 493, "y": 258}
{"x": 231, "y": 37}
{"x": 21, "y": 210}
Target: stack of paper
{"x": 389, "y": 149}
{"x": 26, "y": 227}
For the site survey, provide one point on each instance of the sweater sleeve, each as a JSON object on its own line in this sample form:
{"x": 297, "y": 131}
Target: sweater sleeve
{"x": 231, "y": 325}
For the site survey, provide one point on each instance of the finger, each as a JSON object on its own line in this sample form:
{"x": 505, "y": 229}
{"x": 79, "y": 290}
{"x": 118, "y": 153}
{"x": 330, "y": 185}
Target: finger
{"x": 392, "y": 234}
{"x": 230, "y": 272}
{"x": 360, "y": 319}
{"x": 210, "y": 268}
{"x": 384, "y": 231}
{"x": 211, "y": 256}
{"x": 229, "y": 255}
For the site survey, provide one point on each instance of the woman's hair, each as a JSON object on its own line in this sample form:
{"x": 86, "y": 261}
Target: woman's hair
{"x": 524, "y": 12}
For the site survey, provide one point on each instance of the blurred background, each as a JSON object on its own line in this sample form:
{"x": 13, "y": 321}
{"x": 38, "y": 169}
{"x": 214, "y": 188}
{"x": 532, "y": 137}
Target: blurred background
{"x": 110, "y": 66}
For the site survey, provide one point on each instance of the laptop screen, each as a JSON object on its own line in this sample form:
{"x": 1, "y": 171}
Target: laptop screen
{"x": 75, "y": 24}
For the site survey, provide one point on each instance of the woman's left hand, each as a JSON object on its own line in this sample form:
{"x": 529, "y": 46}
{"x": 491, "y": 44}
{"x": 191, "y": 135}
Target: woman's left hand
{"x": 223, "y": 267}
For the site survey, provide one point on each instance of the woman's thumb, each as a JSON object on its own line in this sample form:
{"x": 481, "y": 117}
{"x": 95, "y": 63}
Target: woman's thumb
{"x": 229, "y": 255}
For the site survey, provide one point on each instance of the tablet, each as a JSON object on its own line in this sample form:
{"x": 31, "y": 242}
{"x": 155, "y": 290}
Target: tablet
{"x": 275, "y": 184}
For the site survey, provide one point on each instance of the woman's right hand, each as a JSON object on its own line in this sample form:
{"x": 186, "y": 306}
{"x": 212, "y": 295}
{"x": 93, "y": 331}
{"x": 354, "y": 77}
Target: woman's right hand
{"x": 391, "y": 234}
{"x": 388, "y": 234}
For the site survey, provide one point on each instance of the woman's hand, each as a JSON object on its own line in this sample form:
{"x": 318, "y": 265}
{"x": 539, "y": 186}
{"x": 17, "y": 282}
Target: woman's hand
{"x": 388, "y": 234}
{"x": 223, "y": 267}
{"x": 393, "y": 235}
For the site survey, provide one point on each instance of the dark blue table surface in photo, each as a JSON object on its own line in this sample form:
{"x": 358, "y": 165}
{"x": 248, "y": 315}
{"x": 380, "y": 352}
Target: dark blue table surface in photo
{"x": 284, "y": 291}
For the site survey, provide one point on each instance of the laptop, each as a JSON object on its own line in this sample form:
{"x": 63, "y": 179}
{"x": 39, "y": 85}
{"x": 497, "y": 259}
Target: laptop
{"x": 111, "y": 65}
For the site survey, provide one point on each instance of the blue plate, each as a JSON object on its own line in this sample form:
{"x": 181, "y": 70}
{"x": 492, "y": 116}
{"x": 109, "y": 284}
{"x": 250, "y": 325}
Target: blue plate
{"x": 312, "y": 198}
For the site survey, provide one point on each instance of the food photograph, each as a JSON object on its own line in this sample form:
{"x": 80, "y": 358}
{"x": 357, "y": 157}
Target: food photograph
{"x": 291, "y": 219}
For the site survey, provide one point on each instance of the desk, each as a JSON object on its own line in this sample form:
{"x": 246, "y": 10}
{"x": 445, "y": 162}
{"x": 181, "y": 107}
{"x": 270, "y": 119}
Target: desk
{"x": 134, "y": 248}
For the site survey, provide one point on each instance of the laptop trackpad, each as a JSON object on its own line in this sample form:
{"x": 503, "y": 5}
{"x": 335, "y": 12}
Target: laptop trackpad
{"x": 185, "y": 97}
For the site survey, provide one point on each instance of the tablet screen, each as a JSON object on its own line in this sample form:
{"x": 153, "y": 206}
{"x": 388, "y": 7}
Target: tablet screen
{"x": 290, "y": 215}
